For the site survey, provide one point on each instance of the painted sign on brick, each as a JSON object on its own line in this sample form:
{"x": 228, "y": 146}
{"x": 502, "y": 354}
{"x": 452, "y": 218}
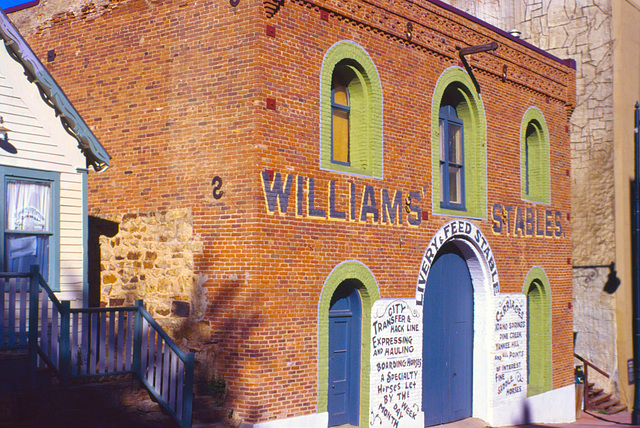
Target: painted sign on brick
{"x": 396, "y": 364}
{"x": 456, "y": 229}
{"x": 527, "y": 221}
{"x": 306, "y": 197}
{"x": 510, "y": 357}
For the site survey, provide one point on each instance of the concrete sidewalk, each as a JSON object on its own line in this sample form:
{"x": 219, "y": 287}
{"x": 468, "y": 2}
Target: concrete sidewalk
{"x": 592, "y": 420}
{"x": 586, "y": 420}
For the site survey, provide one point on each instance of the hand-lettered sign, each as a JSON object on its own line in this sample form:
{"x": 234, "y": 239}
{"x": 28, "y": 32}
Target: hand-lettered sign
{"x": 396, "y": 364}
{"x": 510, "y": 354}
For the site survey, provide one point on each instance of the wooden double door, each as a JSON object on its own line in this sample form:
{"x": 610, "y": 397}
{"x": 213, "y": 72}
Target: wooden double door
{"x": 448, "y": 339}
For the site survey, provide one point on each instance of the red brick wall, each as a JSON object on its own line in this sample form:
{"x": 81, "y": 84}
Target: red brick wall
{"x": 176, "y": 92}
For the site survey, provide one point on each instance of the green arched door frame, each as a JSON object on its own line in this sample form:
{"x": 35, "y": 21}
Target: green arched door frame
{"x": 369, "y": 293}
{"x": 538, "y": 292}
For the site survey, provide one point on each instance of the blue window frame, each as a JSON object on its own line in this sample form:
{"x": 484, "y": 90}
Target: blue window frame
{"x": 340, "y": 120}
{"x": 526, "y": 164}
{"x": 30, "y": 223}
{"x": 451, "y": 159}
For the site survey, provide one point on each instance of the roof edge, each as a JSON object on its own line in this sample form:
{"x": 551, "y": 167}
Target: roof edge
{"x": 53, "y": 95}
{"x": 569, "y": 62}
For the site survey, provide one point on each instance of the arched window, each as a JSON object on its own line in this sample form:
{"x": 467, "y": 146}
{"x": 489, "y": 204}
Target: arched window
{"x": 350, "y": 112}
{"x": 458, "y": 143}
{"x": 340, "y": 113}
{"x": 534, "y": 154}
{"x": 536, "y": 288}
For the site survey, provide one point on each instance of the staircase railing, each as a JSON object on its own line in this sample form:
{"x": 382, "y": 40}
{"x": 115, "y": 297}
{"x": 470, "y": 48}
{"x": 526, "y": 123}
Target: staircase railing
{"x": 588, "y": 364}
{"x": 89, "y": 342}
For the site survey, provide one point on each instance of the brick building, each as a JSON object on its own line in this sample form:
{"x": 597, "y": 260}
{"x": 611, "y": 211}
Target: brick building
{"x": 345, "y": 208}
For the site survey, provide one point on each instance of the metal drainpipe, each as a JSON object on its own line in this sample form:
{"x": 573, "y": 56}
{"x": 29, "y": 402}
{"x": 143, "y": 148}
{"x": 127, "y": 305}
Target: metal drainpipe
{"x": 635, "y": 415}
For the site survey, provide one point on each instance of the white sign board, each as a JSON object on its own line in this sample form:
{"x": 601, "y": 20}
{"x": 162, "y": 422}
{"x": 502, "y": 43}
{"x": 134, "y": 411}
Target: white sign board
{"x": 396, "y": 364}
{"x": 510, "y": 352}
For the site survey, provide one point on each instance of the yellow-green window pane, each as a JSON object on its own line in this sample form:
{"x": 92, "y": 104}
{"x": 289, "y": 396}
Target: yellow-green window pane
{"x": 340, "y": 136}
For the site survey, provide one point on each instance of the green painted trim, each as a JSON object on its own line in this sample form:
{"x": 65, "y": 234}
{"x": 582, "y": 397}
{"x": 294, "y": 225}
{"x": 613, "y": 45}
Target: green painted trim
{"x": 471, "y": 111}
{"x": 369, "y": 293}
{"x": 539, "y": 158}
{"x": 365, "y": 136}
{"x": 538, "y": 292}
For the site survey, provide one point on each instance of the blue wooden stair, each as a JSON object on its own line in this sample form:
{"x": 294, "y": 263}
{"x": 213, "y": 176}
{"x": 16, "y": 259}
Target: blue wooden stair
{"x": 41, "y": 337}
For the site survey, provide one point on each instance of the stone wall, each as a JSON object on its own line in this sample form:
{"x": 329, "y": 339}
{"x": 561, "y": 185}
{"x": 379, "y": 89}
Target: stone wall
{"x": 152, "y": 258}
{"x": 584, "y": 33}
{"x": 594, "y": 312}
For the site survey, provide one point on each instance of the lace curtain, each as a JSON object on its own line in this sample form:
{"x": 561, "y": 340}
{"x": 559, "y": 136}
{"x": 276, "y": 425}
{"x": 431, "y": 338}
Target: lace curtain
{"x": 28, "y": 226}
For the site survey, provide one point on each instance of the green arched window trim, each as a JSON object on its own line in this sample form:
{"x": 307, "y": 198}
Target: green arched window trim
{"x": 538, "y": 292}
{"x": 369, "y": 294}
{"x": 534, "y": 157}
{"x": 471, "y": 111}
{"x": 365, "y": 136}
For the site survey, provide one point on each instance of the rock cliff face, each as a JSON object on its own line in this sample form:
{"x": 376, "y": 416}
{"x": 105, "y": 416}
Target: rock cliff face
{"x": 594, "y": 321}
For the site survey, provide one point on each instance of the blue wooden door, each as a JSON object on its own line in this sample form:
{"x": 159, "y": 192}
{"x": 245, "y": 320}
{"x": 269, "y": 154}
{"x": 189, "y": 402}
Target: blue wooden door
{"x": 345, "y": 317}
{"x": 448, "y": 340}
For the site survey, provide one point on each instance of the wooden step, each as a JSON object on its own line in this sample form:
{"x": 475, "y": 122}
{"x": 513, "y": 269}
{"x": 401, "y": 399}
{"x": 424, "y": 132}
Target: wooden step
{"x": 616, "y": 409}
{"x": 595, "y": 391}
{"x": 600, "y": 398}
{"x": 609, "y": 403}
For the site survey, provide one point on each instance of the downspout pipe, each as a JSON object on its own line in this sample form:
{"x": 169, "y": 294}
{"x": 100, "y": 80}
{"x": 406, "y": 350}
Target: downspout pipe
{"x": 635, "y": 414}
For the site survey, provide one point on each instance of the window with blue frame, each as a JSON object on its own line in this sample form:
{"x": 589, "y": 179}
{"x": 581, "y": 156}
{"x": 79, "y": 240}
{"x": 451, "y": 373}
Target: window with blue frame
{"x": 458, "y": 147}
{"x": 451, "y": 159}
{"x": 30, "y": 225}
{"x": 350, "y": 112}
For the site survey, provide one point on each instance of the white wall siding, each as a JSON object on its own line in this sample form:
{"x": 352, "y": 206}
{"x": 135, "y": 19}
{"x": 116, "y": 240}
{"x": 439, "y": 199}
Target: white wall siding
{"x": 43, "y": 144}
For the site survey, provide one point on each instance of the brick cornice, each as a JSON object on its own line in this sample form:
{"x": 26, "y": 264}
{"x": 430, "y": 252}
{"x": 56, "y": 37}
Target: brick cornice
{"x": 437, "y": 31}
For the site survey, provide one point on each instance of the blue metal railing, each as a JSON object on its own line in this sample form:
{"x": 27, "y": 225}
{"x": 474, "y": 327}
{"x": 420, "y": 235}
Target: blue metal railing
{"x": 89, "y": 342}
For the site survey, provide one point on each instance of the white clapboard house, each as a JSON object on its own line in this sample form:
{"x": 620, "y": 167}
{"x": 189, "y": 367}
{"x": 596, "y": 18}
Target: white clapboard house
{"x": 46, "y": 152}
